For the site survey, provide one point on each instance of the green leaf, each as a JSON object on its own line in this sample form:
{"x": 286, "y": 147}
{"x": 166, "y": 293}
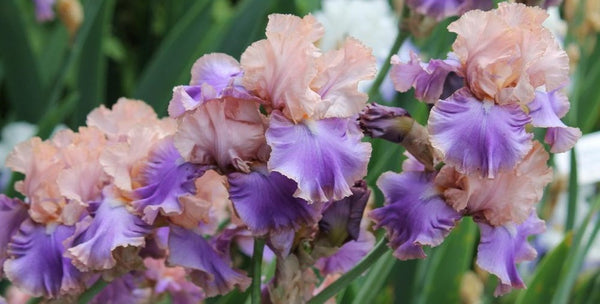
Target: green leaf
{"x": 371, "y": 286}
{"x": 91, "y": 72}
{"x": 25, "y": 89}
{"x": 444, "y": 281}
{"x": 545, "y": 280}
{"x": 175, "y": 56}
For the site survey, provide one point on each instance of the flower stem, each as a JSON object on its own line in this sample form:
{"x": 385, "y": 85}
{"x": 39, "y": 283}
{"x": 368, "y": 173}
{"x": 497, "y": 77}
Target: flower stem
{"x": 257, "y": 255}
{"x": 351, "y": 275}
{"x": 402, "y": 35}
{"x": 89, "y": 294}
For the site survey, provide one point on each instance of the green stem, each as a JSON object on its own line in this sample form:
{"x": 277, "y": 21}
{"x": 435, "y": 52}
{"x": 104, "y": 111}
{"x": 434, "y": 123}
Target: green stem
{"x": 402, "y": 35}
{"x": 89, "y": 294}
{"x": 257, "y": 257}
{"x": 573, "y": 193}
{"x": 351, "y": 275}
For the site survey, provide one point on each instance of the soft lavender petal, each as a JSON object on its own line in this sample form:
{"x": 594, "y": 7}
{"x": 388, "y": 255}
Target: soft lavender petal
{"x": 12, "y": 213}
{"x": 209, "y": 270}
{"x": 414, "y": 215}
{"x": 545, "y": 111}
{"x": 187, "y": 98}
{"x": 125, "y": 289}
{"x": 325, "y": 157}
{"x": 166, "y": 178}
{"x": 429, "y": 79}
{"x": 440, "y": 9}
{"x": 341, "y": 219}
{"x": 112, "y": 226}
{"x": 36, "y": 263}
{"x": 562, "y": 139}
{"x": 501, "y": 247}
{"x": 347, "y": 256}
{"x": 477, "y": 136}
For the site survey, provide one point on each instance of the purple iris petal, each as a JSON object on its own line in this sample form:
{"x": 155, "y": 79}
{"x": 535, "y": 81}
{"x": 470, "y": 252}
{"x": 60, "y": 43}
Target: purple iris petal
{"x": 325, "y": 157}
{"x": 545, "y": 111}
{"x": 440, "y": 9}
{"x": 112, "y": 226}
{"x": 430, "y": 80}
{"x": 36, "y": 264}
{"x": 479, "y": 136}
{"x": 124, "y": 289}
{"x": 561, "y": 139}
{"x": 414, "y": 215}
{"x": 213, "y": 76}
{"x": 12, "y": 213}
{"x": 341, "y": 219}
{"x": 209, "y": 270}
{"x": 187, "y": 98}
{"x": 347, "y": 256}
{"x": 501, "y": 247}
{"x": 166, "y": 178}
{"x": 265, "y": 203}
{"x": 43, "y": 10}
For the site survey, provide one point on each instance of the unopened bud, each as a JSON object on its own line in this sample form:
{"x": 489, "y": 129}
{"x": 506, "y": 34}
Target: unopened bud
{"x": 396, "y": 125}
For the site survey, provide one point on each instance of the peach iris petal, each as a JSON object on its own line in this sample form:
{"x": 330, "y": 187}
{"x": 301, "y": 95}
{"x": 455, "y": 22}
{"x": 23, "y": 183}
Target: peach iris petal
{"x": 339, "y": 72}
{"x": 507, "y": 53}
{"x": 280, "y": 69}
{"x": 509, "y": 197}
{"x": 61, "y": 175}
{"x": 125, "y": 115}
{"x": 228, "y": 132}
{"x": 124, "y": 160}
{"x": 208, "y": 207}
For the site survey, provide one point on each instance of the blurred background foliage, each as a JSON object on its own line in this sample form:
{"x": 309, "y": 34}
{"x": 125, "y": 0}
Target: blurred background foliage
{"x": 142, "y": 49}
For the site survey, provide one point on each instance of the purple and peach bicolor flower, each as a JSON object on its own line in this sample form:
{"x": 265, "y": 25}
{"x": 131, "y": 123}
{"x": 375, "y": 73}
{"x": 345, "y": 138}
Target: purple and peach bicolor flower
{"x": 511, "y": 70}
{"x": 311, "y": 98}
{"x": 440, "y": 9}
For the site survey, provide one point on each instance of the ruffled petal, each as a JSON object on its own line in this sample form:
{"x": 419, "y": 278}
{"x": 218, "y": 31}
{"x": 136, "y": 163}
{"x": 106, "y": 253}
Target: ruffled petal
{"x": 339, "y": 72}
{"x": 477, "y": 136}
{"x": 509, "y": 197}
{"x": 12, "y": 213}
{"x": 325, "y": 157}
{"x": 429, "y": 80}
{"x": 166, "y": 178}
{"x": 208, "y": 207}
{"x": 265, "y": 203}
{"x": 124, "y": 116}
{"x": 228, "y": 133}
{"x": 501, "y": 247}
{"x": 208, "y": 270}
{"x": 36, "y": 263}
{"x": 414, "y": 215}
{"x": 347, "y": 256}
{"x": 112, "y": 226}
{"x": 545, "y": 111}
{"x": 507, "y": 53}
{"x": 279, "y": 69}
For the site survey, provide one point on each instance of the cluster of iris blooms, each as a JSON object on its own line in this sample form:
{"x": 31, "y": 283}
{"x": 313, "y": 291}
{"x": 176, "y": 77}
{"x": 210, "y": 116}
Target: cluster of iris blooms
{"x": 272, "y": 147}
